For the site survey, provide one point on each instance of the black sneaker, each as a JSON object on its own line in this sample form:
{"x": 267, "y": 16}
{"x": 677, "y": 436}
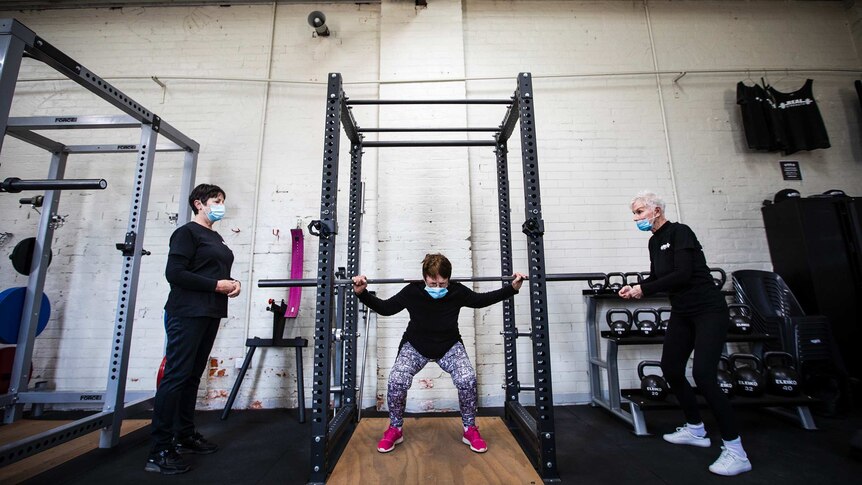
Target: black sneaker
{"x": 195, "y": 444}
{"x": 166, "y": 462}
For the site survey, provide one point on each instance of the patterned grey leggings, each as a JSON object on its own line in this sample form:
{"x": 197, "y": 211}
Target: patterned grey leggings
{"x": 409, "y": 362}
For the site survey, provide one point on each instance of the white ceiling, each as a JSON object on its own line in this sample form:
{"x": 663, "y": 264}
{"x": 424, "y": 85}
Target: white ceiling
{"x": 59, "y": 4}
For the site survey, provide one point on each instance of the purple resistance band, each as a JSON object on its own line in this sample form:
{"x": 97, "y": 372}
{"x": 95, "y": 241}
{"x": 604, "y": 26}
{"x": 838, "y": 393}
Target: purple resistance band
{"x": 295, "y": 293}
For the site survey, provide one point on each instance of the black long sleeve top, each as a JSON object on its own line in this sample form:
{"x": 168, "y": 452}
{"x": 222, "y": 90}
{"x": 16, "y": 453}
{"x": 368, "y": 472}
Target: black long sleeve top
{"x": 433, "y": 326}
{"x": 678, "y": 267}
{"x": 197, "y": 259}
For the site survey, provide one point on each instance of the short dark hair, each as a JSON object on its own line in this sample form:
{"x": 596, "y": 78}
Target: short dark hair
{"x": 436, "y": 265}
{"x": 203, "y": 193}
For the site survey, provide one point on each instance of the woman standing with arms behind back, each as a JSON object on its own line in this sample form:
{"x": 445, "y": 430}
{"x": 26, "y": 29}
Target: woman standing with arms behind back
{"x": 698, "y": 322}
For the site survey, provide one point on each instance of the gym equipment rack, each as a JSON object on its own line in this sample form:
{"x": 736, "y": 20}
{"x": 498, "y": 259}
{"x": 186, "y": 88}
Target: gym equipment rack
{"x": 336, "y": 318}
{"x": 17, "y": 42}
{"x": 629, "y": 404}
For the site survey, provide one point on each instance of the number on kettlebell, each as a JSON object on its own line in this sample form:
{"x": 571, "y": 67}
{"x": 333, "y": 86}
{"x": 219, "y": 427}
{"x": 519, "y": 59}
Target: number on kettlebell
{"x": 725, "y": 378}
{"x": 748, "y": 379}
{"x": 782, "y": 379}
{"x": 652, "y": 386}
{"x": 740, "y": 320}
{"x": 620, "y": 327}
{"x": 646, "y": 321}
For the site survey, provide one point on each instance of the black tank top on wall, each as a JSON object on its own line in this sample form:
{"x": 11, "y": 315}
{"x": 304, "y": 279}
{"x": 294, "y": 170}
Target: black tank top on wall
{"x": 802, "y": 124}
{"x": 759, "y": 119}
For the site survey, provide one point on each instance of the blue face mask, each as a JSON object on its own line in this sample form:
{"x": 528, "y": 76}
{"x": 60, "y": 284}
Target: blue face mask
{"x": 216, "y": 212}
{"x": 436, "y": 293}
{"x": 644, "y": 224}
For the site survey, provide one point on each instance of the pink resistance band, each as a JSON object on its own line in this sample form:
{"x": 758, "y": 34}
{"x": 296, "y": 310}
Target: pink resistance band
{"x": 295, "y": 293}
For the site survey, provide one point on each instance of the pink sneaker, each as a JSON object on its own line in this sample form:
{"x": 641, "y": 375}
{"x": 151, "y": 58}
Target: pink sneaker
{"x": 391, "y": 437}
{"x": 474, "y": 439}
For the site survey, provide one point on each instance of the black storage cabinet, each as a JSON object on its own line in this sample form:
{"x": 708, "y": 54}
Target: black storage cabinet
{"x": 815, "y": 244}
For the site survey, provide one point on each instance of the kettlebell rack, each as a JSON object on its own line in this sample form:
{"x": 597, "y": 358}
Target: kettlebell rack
{"x": 629, "y": 404}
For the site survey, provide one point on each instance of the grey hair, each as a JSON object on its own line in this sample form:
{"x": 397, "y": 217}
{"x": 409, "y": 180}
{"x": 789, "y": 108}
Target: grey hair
{"x": 649, "y": 199}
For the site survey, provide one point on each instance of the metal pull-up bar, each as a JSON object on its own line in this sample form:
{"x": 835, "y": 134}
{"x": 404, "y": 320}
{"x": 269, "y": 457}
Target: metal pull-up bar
{"x": 15, "y": 185}
{"x": 429, "y": 143}
{"x": 358, "y": 102}
{"x": 418, "y": 130}
{"x": 383, "y": 281}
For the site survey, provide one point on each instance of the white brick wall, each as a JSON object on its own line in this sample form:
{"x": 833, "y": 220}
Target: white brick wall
{"x": 423, "y": 193}
{"x": 600, "y": 139}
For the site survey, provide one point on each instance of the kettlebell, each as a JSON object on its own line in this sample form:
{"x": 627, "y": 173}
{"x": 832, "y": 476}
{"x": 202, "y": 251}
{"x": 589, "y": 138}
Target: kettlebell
{"x": 598, "y": 285}
{"x": 619, "y": 327}
{"x": 632, "y": 278}
{"x": 782, "y": 379}
{"x": 648, "y": 327}
{"x": 663, "y": 321}
{"x": 652, "y": 386}
{"x": 748, "y": 380}
{"x": 725, "y": 378}
{"x": 643, "y": 275}
{"x": 719, "y": 277}
{"x": 740, "y": 322}
{"x": 616, "y": 281}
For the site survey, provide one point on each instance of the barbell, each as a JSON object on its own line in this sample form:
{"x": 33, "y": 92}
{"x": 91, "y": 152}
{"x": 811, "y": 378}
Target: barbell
{"x": 15, "y": 185}
{"x": 287, "y": 283}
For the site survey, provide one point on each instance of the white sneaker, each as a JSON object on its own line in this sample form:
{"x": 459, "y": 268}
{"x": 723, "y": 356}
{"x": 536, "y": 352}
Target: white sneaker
{"x": 730, "y": 464}
{"x": 682, "y": 436}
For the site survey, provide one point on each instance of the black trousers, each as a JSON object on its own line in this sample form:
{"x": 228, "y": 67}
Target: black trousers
{"x": 703, "y": 333}
{"x": 190, "y": 340}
